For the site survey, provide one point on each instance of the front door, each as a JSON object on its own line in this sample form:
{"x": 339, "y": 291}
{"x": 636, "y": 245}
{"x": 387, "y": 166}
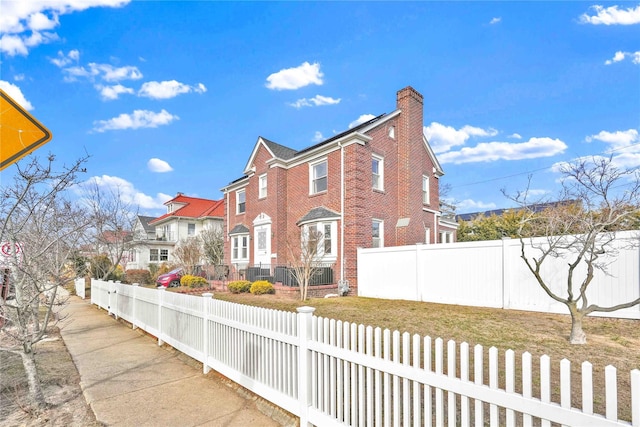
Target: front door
{"x": 262, "y": 240}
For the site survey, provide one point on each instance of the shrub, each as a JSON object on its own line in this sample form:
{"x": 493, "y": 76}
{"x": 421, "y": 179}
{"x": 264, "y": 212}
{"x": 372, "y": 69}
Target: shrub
{"x": 239, "y": 286}
{"x": 261, "y": 287}
{"x": 142, "y": 277}
{"x": 193, "y": 281}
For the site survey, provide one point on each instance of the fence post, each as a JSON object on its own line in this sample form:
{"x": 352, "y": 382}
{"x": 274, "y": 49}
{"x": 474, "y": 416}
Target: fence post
{"x": 305, "y": 315}
{"x": 205, "y": 332}
{"x": 133, "y": 309}
{"x": 160, "y": 298}
{"x": 110, "y": 290}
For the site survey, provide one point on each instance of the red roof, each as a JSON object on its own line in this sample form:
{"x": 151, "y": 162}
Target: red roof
{"x": 193, "y": 208}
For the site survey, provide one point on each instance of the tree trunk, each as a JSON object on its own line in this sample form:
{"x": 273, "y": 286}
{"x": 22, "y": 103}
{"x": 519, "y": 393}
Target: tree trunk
{"x": 36, "y": 395}
{"x": 577, "y": 334}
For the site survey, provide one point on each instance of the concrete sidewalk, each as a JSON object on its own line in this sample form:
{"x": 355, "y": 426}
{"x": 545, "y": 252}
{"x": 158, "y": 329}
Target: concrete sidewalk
{"x": 128, "y": 380}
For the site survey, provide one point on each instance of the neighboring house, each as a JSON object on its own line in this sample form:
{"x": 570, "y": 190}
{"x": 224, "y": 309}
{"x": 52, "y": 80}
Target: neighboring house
{"x": 537, "y": 207}
{"x": 186, "y": 217}
{"x": 114, "y": 244}
{"x": 373, "y": 185}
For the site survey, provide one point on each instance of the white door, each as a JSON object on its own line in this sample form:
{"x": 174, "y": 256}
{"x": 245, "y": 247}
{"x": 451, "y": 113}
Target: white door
{"x": 262, "y": 240}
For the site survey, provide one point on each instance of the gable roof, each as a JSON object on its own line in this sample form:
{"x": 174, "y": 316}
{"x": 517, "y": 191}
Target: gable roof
{"x": 145, "y": 220}
{"x": 194, "y": 207}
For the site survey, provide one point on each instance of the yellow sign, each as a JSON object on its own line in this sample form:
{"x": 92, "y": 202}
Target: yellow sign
{"x": 20, "y": 132}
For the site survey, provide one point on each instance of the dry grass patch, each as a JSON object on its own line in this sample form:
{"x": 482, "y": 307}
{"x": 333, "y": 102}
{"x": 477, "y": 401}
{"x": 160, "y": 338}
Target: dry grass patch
{"x": 609, "y": 341}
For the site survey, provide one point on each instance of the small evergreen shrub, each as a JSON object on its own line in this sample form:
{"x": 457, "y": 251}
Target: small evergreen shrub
{"x": 193, "y": 281}
{"x": 239, "y": 286}
{"x": 261, "y": 287}
{"x": 142, "y": 277}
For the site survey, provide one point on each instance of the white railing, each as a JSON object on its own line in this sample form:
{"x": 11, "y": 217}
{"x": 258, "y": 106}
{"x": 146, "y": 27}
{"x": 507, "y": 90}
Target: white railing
{"x": 330, "y": 372}
{"x": 492, "y": 274}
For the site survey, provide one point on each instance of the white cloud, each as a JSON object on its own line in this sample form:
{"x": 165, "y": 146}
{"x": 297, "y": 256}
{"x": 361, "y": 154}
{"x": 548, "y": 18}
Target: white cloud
{"x": 139, "y": 119}
{"x": 618, "y": 139}
{"x": 157, "y": 165}
{"x": 295, "y": 78}
{"x": 492, "y": 151}
{"x": 16, "y": 94}
{"x": 612, "y": 16}
{"x": 26, "y": 24}
{"x": 363, "y": 118}
{"x": 469, "y": 205}
{"x": 18, "y": 77}
{"x": 109, "y": 93}
{"x": 515, "y": 136}
{"x": 442, "y": 138}
{"x": 105, "y": 72}
{"x": 168, "y": 89}
{"x": 317, "y": 137}
{"x": 315, "y": 101}
{"x": 127, "y": 192}
{"x": 63, "y": 60}
{"x": 620, "y": 56}
{"x": 495, "y": 20}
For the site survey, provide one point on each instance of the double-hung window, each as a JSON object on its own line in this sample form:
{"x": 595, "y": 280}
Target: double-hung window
{"x": 191, "y": 229}
{"x": 377, "y": 233}
{"x": 319, "y": 240}
{"x": 262, "y": 186}
{"x": 425, "y": 190}
{"x": 377, "y": 171}
{"x": 318, "y": 175}
{"x": 240, "y": 201}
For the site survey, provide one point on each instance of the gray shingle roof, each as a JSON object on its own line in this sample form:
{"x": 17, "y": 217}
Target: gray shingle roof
{"x": 144, "y": 220}
{"x": 280, "y": 151}
{"x": 239, "y": 229}
{"x": 319, "y": 213}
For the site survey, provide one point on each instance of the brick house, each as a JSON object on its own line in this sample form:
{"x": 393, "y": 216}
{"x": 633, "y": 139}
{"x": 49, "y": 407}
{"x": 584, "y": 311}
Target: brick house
{"x": 373, "y": 185}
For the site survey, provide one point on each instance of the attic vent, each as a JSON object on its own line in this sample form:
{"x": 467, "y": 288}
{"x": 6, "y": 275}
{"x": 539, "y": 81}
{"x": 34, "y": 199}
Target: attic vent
{"x": 392, "y": 132}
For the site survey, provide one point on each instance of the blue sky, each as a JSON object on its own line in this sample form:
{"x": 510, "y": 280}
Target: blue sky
{"x": 171, "y": 97}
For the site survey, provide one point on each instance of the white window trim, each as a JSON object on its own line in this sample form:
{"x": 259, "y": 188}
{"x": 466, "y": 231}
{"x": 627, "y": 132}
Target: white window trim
{"x": 239, "y": 237}
{"x": 311, "y": 177}
{"x": 238, "y": 192}
{"x": 380, "y": 160}
{"x": 261, "y": 194}
{"x": 333, "y": 256}
{"x": 381, "y": 237}
{"x": 426, "y": 193}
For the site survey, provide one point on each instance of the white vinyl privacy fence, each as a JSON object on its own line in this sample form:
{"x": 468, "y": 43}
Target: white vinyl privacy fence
{"x": 332, "y": 373}
{"x": 492, "y": 274}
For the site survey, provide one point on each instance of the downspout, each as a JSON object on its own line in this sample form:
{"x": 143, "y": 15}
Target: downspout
{"x": 341, "y": 210}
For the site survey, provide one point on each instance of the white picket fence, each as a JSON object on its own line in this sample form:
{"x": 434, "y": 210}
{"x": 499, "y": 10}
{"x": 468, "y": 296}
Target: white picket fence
{"x": 330, "y": 372}
{"x": 80, "y": 288}
{"x": 492, "y": 274}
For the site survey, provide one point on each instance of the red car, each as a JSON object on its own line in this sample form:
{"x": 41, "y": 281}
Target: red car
{"x": 170, "y": 279}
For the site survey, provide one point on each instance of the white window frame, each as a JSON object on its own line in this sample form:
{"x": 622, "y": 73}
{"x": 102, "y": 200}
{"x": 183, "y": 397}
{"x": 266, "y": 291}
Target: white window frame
{"x": 154, "y": 253}
{"x": 242, "y": 204}
{"x": 446, "y": 237}
{"x": 323, "y": 255}
{"x": 262, "y": 186}
{"x": 380, "y": 233}
{"x": 164, "y": 255}
{"x": 379, "y": 184}
{"x": 191, "y": 229}
{"x": 240, "y": 247}
{"x": 313, "y": 178}
{"x": 426, "y": 196}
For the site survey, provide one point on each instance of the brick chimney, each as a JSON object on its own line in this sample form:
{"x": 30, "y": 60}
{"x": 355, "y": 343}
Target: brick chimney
{"x": 409, "y": 137}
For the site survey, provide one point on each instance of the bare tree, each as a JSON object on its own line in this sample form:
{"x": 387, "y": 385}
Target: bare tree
{"x": 600, "y": 200}
{"x": 213, "y": 247}
{"x": 114, "y": 219}
{"x": 40, "y": 229}
{"x": 188, "y": 253}
{"x": 305, "y": 249}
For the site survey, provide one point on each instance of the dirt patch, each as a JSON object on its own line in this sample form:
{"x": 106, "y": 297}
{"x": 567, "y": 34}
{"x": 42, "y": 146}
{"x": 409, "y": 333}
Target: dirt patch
{"x": 61, "y": 384}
